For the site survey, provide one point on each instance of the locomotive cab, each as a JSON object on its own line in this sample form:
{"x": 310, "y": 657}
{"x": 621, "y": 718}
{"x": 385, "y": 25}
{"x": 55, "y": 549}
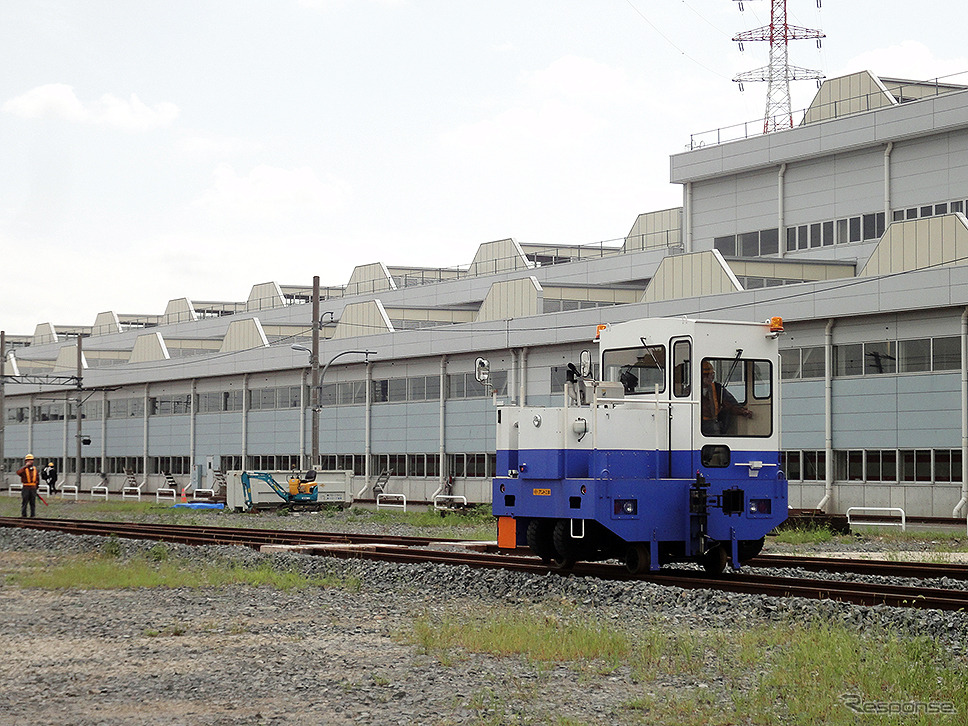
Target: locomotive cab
{"x": 670, "y": 454}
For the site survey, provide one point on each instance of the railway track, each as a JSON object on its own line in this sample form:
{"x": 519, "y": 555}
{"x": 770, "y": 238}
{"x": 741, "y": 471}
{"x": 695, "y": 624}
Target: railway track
{"x": 885, "y": 568}
{"x": 480, "y": 555}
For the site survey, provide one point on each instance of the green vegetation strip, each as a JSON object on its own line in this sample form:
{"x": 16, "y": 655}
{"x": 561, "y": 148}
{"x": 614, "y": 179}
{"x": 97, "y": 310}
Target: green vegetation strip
{"x": 791, "y": 673}
{"x": 157, "y": 568}
{"x": 475, "y": 522}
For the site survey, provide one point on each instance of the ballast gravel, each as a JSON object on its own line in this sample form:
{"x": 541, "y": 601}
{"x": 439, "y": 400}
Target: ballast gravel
{"x": 334, "y": 655}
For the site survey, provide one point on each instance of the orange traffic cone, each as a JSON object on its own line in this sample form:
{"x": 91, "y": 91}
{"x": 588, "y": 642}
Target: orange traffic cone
{"x": 184, "y": 498}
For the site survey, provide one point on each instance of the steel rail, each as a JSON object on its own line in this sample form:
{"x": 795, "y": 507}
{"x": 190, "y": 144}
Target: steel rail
{"x": 885, "y": 568}
{"x": 252, "y": 537}
{"x": 859, "y": 593}
{"x": 378, "y": 548}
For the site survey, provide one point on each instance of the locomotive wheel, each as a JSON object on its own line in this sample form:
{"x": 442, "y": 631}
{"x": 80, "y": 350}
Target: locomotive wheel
{"x": 566, "y": 551}
{"x": 637, "y": 558}
{"x": 714, "y": 561}
{"x": 541, "y": 539}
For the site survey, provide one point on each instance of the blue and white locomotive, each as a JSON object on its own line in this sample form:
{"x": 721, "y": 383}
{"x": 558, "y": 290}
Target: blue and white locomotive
{"x": 670, "y": 453}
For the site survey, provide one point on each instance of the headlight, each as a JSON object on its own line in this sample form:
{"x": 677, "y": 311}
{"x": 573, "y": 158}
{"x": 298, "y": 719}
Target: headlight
{"x": 761, "y": 506}
{"x": 627, "y": 507}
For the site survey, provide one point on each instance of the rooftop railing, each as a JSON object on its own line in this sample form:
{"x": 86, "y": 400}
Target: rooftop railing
{"x": 902, "y": 92}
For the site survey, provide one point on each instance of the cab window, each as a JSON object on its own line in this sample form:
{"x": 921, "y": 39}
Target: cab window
{"x": 736, "y": 397}
{"x": 639, "y": 370}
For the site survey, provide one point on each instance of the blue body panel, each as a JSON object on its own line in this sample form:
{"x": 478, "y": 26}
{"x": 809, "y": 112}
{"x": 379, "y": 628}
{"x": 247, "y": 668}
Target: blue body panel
{"x": 595, "y": 480}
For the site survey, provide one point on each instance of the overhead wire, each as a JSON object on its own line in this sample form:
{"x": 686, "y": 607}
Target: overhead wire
{"x": 669, "y": 40}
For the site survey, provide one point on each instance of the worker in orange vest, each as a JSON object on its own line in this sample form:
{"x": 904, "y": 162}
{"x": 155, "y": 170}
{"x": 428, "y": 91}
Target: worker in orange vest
{"x": 29, "y": 477}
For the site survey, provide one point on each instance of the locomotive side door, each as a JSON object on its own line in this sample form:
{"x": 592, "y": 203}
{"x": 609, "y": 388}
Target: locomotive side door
{"x": 681, "y": 415}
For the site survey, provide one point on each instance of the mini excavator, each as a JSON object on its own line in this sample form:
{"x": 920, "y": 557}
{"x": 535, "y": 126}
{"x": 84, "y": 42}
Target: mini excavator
{"x": 301, "y": 491}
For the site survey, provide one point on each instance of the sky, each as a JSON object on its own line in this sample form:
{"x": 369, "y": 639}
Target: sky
{"x": 162, "y": 149}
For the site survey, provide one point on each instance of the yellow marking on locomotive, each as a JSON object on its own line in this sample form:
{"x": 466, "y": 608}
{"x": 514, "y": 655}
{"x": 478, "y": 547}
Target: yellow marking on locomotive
{"x": 541, "y": 492}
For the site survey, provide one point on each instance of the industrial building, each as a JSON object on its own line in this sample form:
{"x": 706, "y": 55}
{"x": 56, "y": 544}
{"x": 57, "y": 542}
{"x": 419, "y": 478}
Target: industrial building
{"x": 850, "y": 225}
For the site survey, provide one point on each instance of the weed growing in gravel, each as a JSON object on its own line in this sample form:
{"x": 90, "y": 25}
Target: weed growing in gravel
{"x": 111, "y": 547}
{"x": 158, "y": 553}
{"x": 797, "y": 673}
{"x": 539, "y": 638}
{"x": 808, "y": 536}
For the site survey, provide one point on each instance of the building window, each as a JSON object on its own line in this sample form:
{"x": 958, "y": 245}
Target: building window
{"x": 814, "y": 465}
{"x": 790, "y": 364}
{"x": 947, "y": 465}
{"x": 232, "y": 400}
{"x": 827, "y": 237}
{"x": 230, "y": 463}
{"x": 855, "y": 229}
{"x": 328, "y": 394}
{"x": 175, "y": 465}
{"x": 915, "y": 465}
{"x": 749, "y": 244}
{"x": 914, "y": 355}
{"x": 769, "y": 242}
{"x": 880, "y": 358}
{"x": 351, "y": 393}
{"x": 791, "y": 465}
{"x": 849, "y": 359}
{"x": 802, "y": 363}
{"x": 725, "y": 245}
{"x": 815, "y": 240}
{"x": 881, "y": 465}
{"x": 170, "y": 405}
{"x": 842, "y": 234}
{"x": 946, "y": 353}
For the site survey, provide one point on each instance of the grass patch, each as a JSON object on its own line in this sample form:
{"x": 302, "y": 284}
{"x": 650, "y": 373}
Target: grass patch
{"x": 546, "y": 638}
{"x": 475, "y": 522}
{"x": 159, "y": 568}
{"x": 809, "y": 536}
{"x": 60, "y": 508}
{"x": 784, "y": 673}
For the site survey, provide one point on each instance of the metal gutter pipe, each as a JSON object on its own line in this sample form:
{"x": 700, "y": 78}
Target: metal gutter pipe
{"x": 513, "y": 382}
{"x": 887, "y": 182}
{"x": 104, "y": 430}
{"x": 144, "y": 429}
{"x": 523, "y": 378}
{"x": 959, "y": 507}
{"x": 369, "y": 421}
{"x": 780, "y": 215}
{"x": 828, "y": 352}
{"x": 687, "y": 216}
{"x": 442, "y": 467}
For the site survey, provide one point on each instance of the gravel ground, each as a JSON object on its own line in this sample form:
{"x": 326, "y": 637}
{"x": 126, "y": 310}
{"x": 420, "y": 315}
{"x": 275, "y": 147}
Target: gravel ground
{"x": 256, "y": 655}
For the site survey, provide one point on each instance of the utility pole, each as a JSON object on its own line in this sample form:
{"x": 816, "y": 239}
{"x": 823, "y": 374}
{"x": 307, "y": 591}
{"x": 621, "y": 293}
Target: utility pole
{"x": 779, "y": 73}
{"x": 77, "y": 412}
{"x": 314, "y": 363}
